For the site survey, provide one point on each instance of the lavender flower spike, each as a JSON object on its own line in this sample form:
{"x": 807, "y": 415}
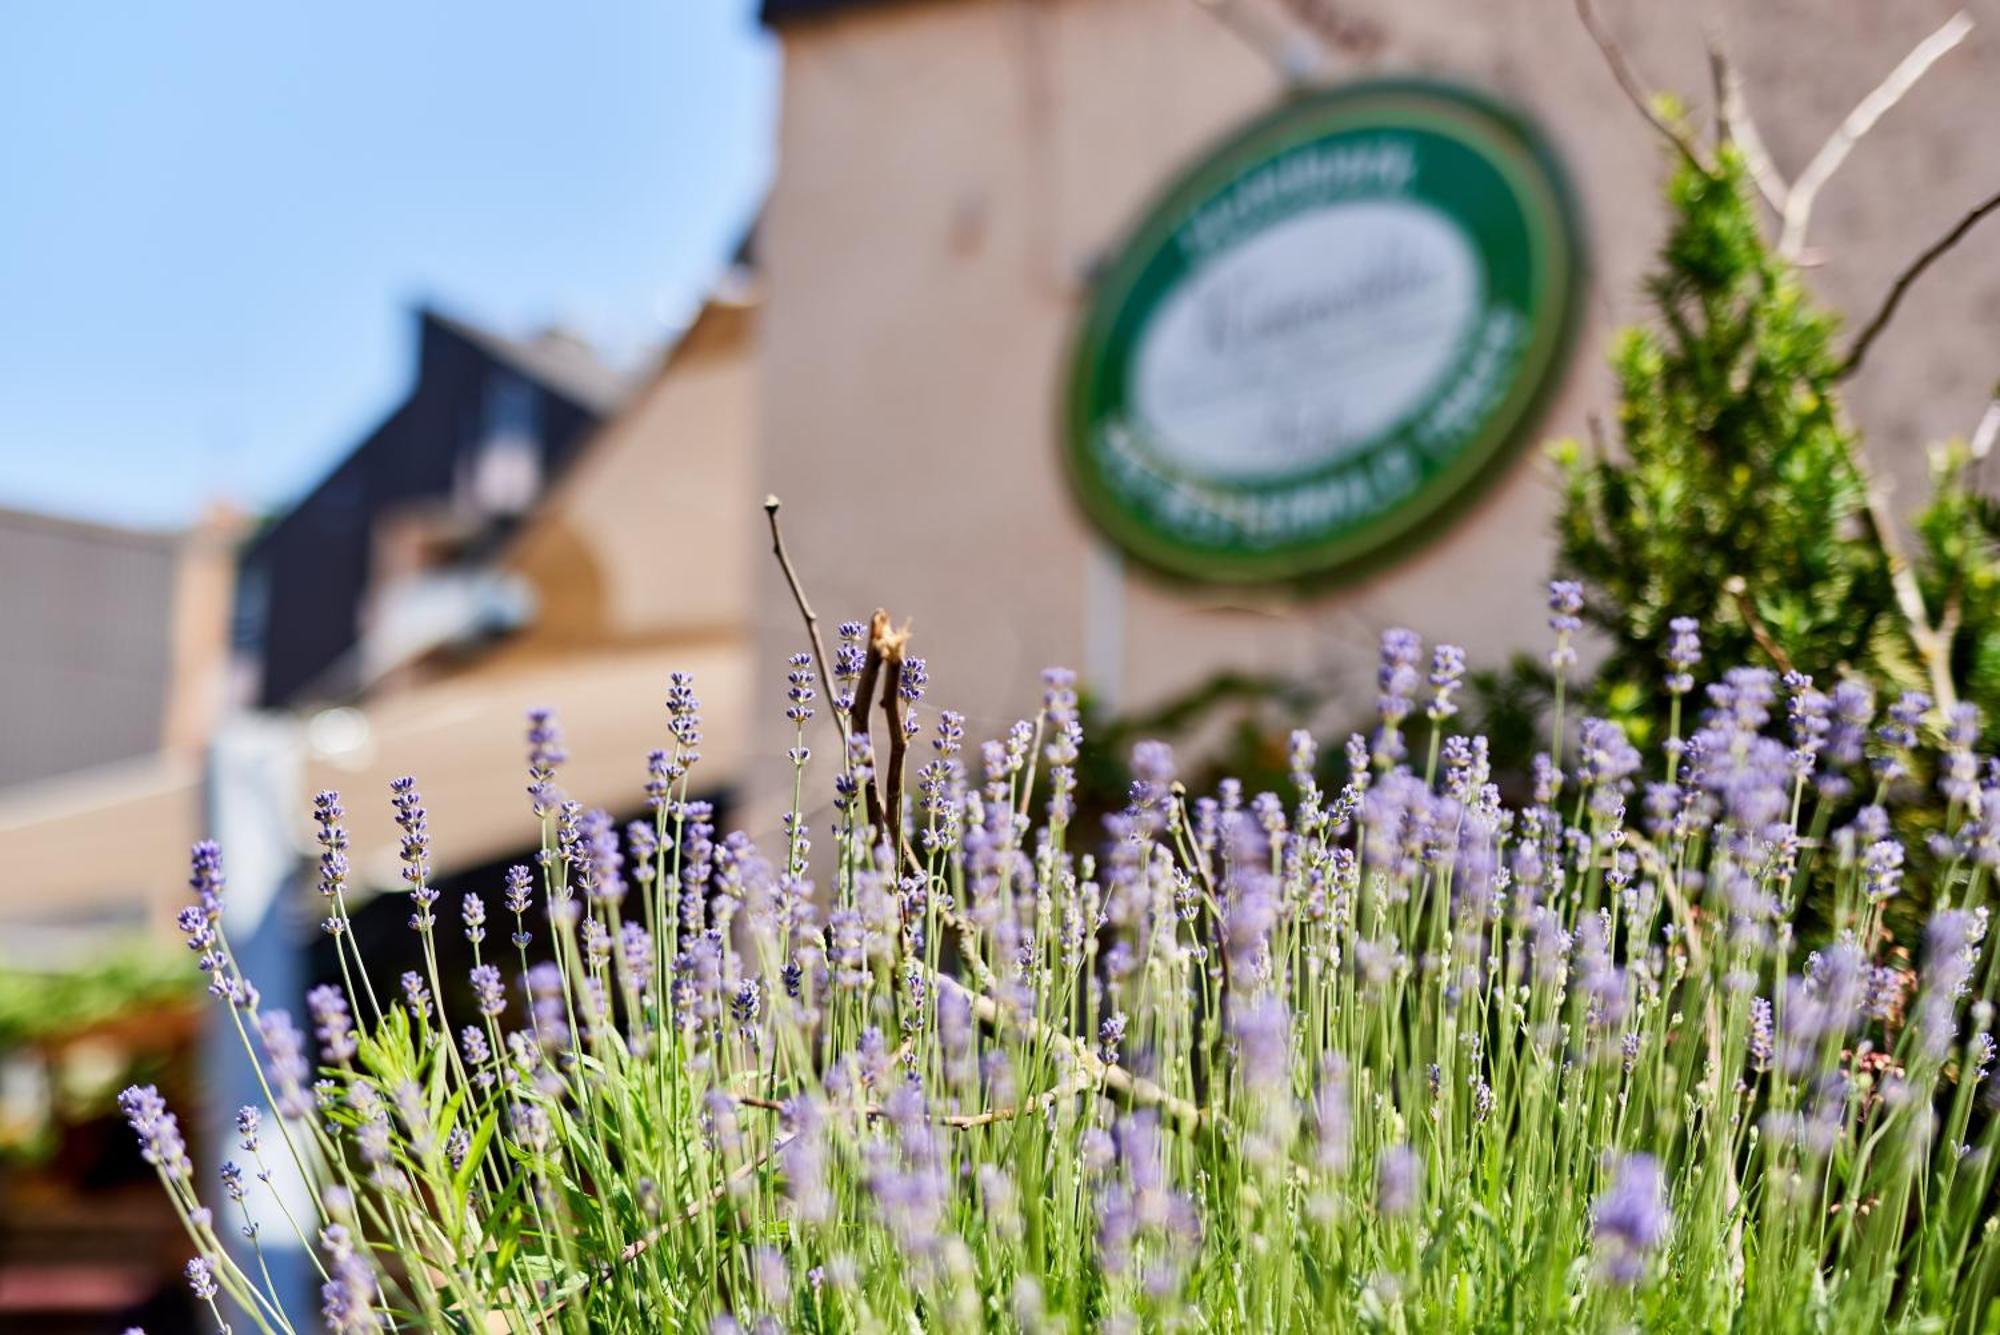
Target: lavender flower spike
{"x": 1630, "y": 1219}
{"x": 1399, "y": 1177}
{"x": 159, "y": 1131}
{"x": 1565, "y": 603}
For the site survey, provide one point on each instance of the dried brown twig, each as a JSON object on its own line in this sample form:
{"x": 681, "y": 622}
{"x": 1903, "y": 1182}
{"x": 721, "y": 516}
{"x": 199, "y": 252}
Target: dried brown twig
{"x": 1635, "y": 88}
{"x": 1911, "y": 272}
{"x": 888, "y": 646}
{"x": 771, "y": 505}
{"x": 1739, "y": 590}
{"x": 959, "y": 1121}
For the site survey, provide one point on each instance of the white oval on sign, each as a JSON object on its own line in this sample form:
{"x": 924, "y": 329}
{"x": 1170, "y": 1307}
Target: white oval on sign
{"x": 1313, "y": 337}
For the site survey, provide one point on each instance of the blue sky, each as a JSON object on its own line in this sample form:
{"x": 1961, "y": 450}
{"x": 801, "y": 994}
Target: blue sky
{"x": 217, "y": 217}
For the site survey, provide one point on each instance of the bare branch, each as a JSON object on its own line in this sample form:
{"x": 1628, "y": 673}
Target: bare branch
{"x": 1136, "y": 1089}
{"x": 771, "y": 505}
{"x": 1635, "y": 89}
{"x": 1048, "y": 1098}
{"x": 1910, "y": 274}
{"x": 1933, "y": 649}
{"x": 890, "y": 646}
{"x": 1739, "y": 590}
{"x": 1987, "y": 431}
{"x": 1296, "y": 57}
{"x": 864, "y": 694}
{"x": 1737, "y": 127}
{"x": 1799, "y": 203}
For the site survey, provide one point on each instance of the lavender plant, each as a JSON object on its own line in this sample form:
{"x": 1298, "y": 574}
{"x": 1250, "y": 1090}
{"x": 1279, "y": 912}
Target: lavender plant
{"x": 1380, "y": 1054}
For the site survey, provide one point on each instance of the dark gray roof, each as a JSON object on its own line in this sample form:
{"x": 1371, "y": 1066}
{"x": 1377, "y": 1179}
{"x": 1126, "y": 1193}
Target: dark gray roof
{"x": 558, "y": 360}
{"x": 305, "y": 579}
{"x": 781, "y": 11}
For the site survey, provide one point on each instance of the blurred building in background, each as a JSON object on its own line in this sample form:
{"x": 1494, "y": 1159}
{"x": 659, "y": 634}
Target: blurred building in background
{"x": 955, "y": 177}
{"x": 114, "y": 671}
{"x": 526, "y": 529}
{"x": 389, "y": 557}
{"x": 954, "y": 180}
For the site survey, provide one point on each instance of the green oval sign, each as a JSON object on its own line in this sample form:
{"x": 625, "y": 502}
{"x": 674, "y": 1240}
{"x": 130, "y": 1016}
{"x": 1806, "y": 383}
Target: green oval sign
{"x": 1323, "y": 334}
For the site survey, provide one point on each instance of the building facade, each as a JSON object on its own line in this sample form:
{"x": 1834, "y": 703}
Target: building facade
{"x": 954, "y": 175}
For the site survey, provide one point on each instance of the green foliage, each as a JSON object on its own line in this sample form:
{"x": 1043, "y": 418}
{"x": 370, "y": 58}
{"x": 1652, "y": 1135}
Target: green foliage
{"x": 40, "y": 1005}
{"x": 1736, "y": 466}
{"x": 1239, "y": 723}
{"x": 1958, "y": 569}
{"x": 63, "y": 1083}
{"x": 1392, "y": 1055}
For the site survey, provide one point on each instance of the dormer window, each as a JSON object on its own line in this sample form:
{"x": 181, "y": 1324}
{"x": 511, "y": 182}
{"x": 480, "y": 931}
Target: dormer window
{"x": 506, "y": 473}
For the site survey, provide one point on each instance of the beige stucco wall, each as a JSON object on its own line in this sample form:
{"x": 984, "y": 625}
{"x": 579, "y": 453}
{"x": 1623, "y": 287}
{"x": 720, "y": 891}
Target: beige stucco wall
{"x": 948, "y": 169}
{"x": 641, "y": 542}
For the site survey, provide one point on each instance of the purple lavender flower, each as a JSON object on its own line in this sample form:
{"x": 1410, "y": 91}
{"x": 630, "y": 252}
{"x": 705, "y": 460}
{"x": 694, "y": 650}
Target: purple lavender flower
{"x": 660, "y": 776}
{"x": 347, "y": 1299}
{"x": 333, "y": 1023}
{"x": 1153, "y": 766}
{"x": 803, "y": 1158}
{"x": 1565, "y": 602}
{"x": 1898, "y": 734}
{"x": 476, "y": 1050}
{"x": 1853, "y": 708}
{"x": 1399, "y": 1176}
{"x": 488, "y": 991}
{"x": 205, "y": 877}
{"x": 800, "y": 693}
{"x": 545, "y": 754}
{"x": 1760, "y": 1033}
{"x": 285, "y": 1064}
{"x": 520, "y": 898}
{"x": 1959, "y": 778}
{"x": 472, "y": 912}
{"x": 1110, "y": 1037}
{"x": 684, "y": 718}
{"x": 1059, "y": 695}
{"x": 1302, "y": 757}
{"x": 635, "y": 944}
{"x": 1447, "y": 673}
{"x": 1139, "y": 1213}
{"x": 849, "y": 658}
{"x": 1333, "y": 1115}
{"x": 772, "y": 1277}
{"x": 158, "y": 1130}
{"x": 1396, "y": 678}
{"x": 1951, "y": 950}
{"x": 1263, "y": 1033}
{"x": 417, "y": 994}
{"x": 697, "y": 985}
{"x": 912, "y": 679}
{"x": 333, "y": 868}
{"x": 745, "y": 1007}
{"x": 414, "y": 822}
{"x": 201, "y": 1279}
{"x": 1811, "y": 714}
{"x": 598, "y": 863}
{"x": 1882, "y": 869}
{"x": 1630, "y": 1220}
{"x": 530, "y": 1125}
{"x": 1683, "y": 653}
{"x": 1604, "y": 755}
